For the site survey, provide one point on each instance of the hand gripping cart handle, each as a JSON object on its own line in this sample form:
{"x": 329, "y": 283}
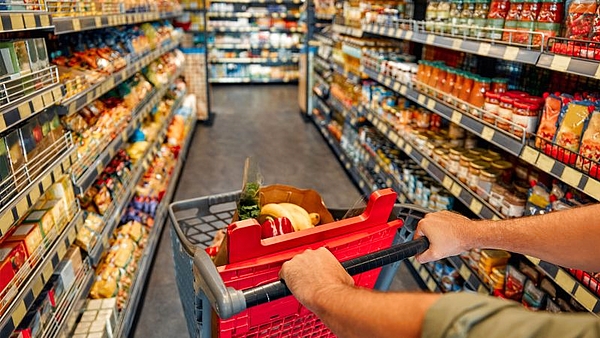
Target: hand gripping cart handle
{"x": 275, "y": 290}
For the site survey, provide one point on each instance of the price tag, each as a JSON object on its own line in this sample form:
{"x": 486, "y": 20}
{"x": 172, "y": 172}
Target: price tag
{"x": 534, "y": 260}
{"x": 62, "y": 250}
{"x": 487, "y": 133}
{"x": 456, "y": 44}
{"x": 560, "y": 63}
{"x": 564, "y": 280}
{"x": 484, "y": 49}
{"x": 430, "y": 39}
{"x": 348, "y": 165}
{"x": 393, "y": 137}
{"x": 431, "y": 285}
{"x": 545, "y": 163}
{"x": 421, "y": 99}
{"x": 511, "y": 53}
{"x": 425, "y": 163}
{"x": 400, "y": 143}
{"x": 571, "y": 177}
{"x": 456, "y": 117}
{"x": 29, "y": 20}
{"x": 76, "y": 25}
{"x": 98, "y": 22}
{"x": 388, "y": 82}
{"x": 47, "y": 271}
{"x": 586, "y": 298}
{"x": 89, "y": 97}
{"x": 398, "y": 33}
{"x": 22, "y": 207}
{"x": 464, "y": 271}
{"x": 34, "y": 195}
{"x": 456, "y": 190}
{"x": 16, "y": 21}
{"x": 46, "y": 182}
{"x": 431, "y": 104}
{"x": 529, "y": 155}
{"x": 447, "y": 182}
{"x": 24, "y": 110}
{"x": 597, "y": 75}
{"x": 388, "y": 182}
{"x": 44, "y": 20}
{"x": 396, "y": 87}
{"x": 19, "y": 312}
{"x": 476, "y": 206}
{"x": 592, "y": 188}
{"x": 384, "y": 129}
{"x": 408, "y": 149}
{"x": 403, "y": 90}
{"x": 409, "y": 35}
{"x": 38, "y": 286}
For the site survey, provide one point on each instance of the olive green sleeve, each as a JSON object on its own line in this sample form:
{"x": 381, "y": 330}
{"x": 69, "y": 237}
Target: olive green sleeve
{"x": 462, "y": 315}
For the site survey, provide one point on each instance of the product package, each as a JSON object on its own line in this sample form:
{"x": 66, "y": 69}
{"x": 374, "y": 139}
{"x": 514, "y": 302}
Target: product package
{"x": 549, "y": 120}
{"x": 515, "y": 283}
{"x": 44, "y": 219}
{"x": 30, "y": 235}
{"x": 590, "y": 144}
{"x": 570, "y": 130}
{"x": 13, "y": 256}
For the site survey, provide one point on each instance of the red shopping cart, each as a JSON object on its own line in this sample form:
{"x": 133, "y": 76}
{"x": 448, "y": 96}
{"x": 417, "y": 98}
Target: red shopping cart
{"x": 369, "y": 247}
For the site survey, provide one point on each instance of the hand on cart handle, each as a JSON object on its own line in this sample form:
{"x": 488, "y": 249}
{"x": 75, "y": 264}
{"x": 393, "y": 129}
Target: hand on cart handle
{"x": 275, "y": 290}
{"x": 448, "y": 234}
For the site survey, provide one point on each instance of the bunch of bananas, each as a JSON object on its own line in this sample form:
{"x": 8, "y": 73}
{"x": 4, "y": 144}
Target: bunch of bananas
{"x": 298, "y": 216}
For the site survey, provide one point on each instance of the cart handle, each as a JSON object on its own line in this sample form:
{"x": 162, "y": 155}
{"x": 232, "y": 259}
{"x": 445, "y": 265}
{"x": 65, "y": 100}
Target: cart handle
{"x": 235, "y": 301}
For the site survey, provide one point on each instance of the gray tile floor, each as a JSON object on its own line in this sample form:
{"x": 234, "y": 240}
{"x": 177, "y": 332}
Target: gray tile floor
{"x": 262, "y": 121}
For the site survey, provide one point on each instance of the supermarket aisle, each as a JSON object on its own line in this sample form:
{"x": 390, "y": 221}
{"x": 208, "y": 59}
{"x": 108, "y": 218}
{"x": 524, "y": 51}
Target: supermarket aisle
{"x": 261, "y": 121}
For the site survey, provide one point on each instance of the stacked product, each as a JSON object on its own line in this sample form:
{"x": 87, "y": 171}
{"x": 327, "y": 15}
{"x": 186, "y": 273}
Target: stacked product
{"x": 447, "y": 276}
{"x": 86, "y": 8}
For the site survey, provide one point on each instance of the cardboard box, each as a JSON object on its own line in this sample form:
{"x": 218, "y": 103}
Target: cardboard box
{"x": 58, "y": 212}
{"x": 12, "y": 257}
{"x": 29, "y": 234}
{"x": 66, "y": 274}
{"x": 62, "y": 189}
{"x": 43, "y": 219}
{"x": 74, "y": 255}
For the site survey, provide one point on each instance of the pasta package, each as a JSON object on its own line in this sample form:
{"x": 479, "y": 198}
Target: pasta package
{"x": 590, "y": 145}
{"x": 549, "y": 121}
{"x": 570, "y": 131}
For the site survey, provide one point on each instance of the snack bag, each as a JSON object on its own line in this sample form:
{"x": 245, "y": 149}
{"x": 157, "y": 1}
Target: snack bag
{"x": 549, "y": 121}
{"x": 580, "y": 17}
{"x": 590, "y": 144}
{"x": 570, "y": 130}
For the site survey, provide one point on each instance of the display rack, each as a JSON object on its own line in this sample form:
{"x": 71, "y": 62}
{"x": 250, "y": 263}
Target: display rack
{"x": 79, "y": 23}
{"x": 541, "y": 56}
{"x": 14, "y": 21}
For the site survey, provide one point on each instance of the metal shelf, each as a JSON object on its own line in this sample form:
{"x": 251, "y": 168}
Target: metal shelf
{"x": 127, "y": 318}
{"x": 488, "y": 132}
{"x": 346, "y": 30}
{"x": 211, "y": 14}
{"x": 426, "y": 275}
{"x": 250, "y": 80}
{"x": 68, "y": 24}
{"x": 77, "y": 102}
{"x": 251, "y": 46}
{"x": 269, "y": 61}
{"x": 254, "y": 29}
{"x": 469, "y": 198}
{"x": 260, "y": 1}
{"x": 353, "y": 77}
{"x": 47, "y": 168}
{"x": 572, "y": 65}
{"x": 322, "y": 106}
{"x": 31, "y": 288}
{"x": 66, "y": 309}
{"x": 470, "y": 276}
{"x": 569, "y": 284}
{"x": 87, "y": 178}
{"x": 113, "y": 215}
{"x": 16, "y": 21}
{"x": 30, "y": 105}
{"x": 495, "y": 49}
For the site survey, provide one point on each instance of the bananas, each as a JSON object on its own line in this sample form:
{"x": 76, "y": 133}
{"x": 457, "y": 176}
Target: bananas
{"x": 299, "y": 217}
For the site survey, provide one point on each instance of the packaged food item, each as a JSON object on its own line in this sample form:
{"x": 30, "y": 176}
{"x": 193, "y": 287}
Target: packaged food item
{"x": 515, "y": 283}
{"x": 44, "y": 219}
{"x": 513, "y": 204}
{"x": 590, "y": 143}
{"x": 533, "y": 298}
{"x": 549, "y": 20}
{"x": 571, "y": 125}
{"x": 87, "y": 239}
{"x": 538, "y": 200}
{"x": 7, "y": 183}
{"x": 65, "y": 274}
{"x": 16, "y": 156}
{"x": 481, "y": 86}
{"x": 580, "y": 17}
{"x": 13, "y": 256}
{"x": 495, "y": 18}
{"x": 513, "y": 16}
{"x": 549, "y": 120}
{"x": 30, "y": 235}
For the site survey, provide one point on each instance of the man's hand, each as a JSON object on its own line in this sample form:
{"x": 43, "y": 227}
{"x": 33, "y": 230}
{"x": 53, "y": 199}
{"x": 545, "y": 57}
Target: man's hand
{"x": 448, "y": 233}
{"x": 314, "y": 272}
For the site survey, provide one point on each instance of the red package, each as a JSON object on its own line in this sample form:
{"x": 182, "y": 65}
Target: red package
{"x": 12, "y": 258}
{"x": 580, "y": 17}
{"x": 549, "y": 120}
{"x": 275, "y": 227}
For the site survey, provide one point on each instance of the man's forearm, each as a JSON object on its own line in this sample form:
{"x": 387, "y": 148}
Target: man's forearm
{"x": 567, "y": 238}
{"x": 356, "y": 312}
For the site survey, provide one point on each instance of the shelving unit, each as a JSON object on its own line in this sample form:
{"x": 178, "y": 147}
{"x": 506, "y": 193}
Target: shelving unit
{"x": 73, "y": 24}
{"x": 539, "y": 56}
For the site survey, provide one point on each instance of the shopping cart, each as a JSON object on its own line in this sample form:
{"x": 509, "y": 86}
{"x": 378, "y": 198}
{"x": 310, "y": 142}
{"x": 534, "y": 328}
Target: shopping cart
{"x": 368, "y": 245}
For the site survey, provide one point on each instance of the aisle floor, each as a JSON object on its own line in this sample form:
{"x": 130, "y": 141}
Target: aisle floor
{"x": 262, "y": 121}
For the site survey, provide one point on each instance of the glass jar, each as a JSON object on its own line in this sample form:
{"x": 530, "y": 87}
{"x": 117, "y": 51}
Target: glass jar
{"x": 526, "y": 23}
{"x": 421, "y": 142}
{"x": 521, "y": 170}
{"x": 466, "y": 17}
{"x": 443, "y": 16}
{"x": 481, "y": 85}
{"x": 506, "y": 170}
{"x": 525, "y": 115}
{"x": 487, "y": 178}
{"x": 480, "y": 14}
{"x": 466, "y": 91}
{"x": 549, "y": 20}
{"x": 441, "y": 82}
{"x": 429, "y": 148}
{"x": 477, "y": 151}
{"x": 491, "y": 107}
{"x": 454, "y": 160}
{"x": 514, "y": 204}
{"x": 424, "y": 75}
{"x": 434, "y": 78}
{"x": 496, "y": 18}
{"x": 499, "y": 85}
{"x": 448, "y": 83}
{"x": 422, "y": 118}
{"x": 505, "y": 112}
{"x": 496, "y": 197}
{"x": 439, "y": 154}
{"x": 455, "y": 131}
{"x": 521, "y": 187}
{"x": 431, "y": 14}
{"x": 475, "y": 168}
{"x": 490, "y": 157}
{"x": 464, "y": 165}
{"x": 457, "y": 89}
{"x": 456, "y": 7}
{"x": 512, "y": 18}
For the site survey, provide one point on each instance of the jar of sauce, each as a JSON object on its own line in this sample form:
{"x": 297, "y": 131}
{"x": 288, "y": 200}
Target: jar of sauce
{"x": 466, "y": 91}
{"x": 499, "y": 85}
{"x": 481, "y": 85}
{"x": 487, "y": 178}
{"x": 439, "y": 155}
{"x": 454, "y": 160}
{"x": 474, "y": 171}
{"x": 514, "y": 204}
{"x": 506, "y": 169}
{"x": 441, "y": 82}
{"x": 526, "y": 115}
{"x": 496, "y": 197}
{"x": 491, "y": 107}
{"x": 505, "y": 112}
{"x": 464, "y": 166}
{"x": 489, "y": 157}
{"x": 457, "y": 89}
{"x": 448, "y": 83}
